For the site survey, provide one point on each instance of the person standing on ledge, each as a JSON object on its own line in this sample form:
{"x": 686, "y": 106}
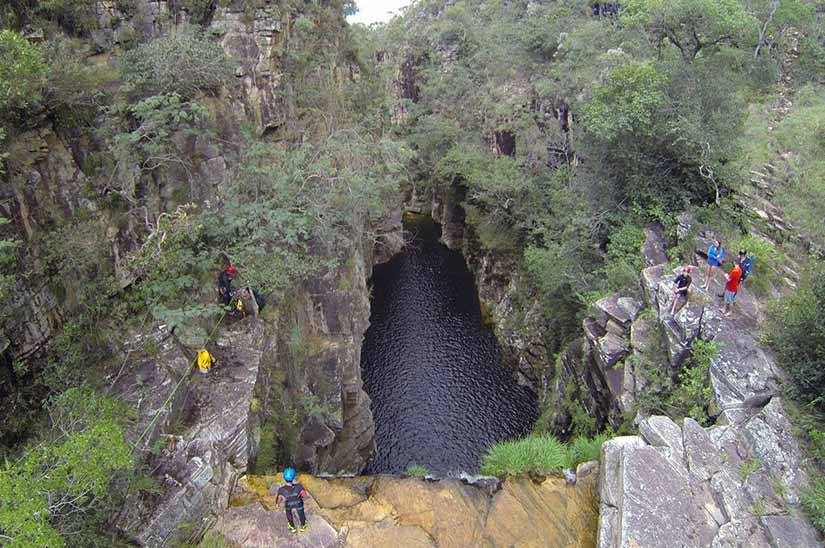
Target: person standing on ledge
{"x": 292, "y": 494}
{"x": 715, "y": 255}
{"x": 732, "y": 287}
{"x": 746, "y": 262}
{"x": 680, "y": 288}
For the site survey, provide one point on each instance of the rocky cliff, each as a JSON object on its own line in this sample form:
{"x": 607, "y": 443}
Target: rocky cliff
{"x": 736, "y": 483}
{"x": 289, "y": 381}
{"x": 296, "y": 369}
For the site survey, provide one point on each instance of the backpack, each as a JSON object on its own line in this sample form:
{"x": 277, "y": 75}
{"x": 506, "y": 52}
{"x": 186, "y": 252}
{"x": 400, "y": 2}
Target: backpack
{"x": 259, "y": 299}
{"x": 747, "y": 267}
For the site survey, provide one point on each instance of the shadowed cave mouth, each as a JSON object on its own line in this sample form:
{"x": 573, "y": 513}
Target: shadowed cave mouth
{"x": 440, "y": 395}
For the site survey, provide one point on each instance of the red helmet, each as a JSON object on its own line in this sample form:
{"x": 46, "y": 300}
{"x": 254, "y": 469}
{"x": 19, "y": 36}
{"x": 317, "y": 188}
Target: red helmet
{"x": 231, "y": 270}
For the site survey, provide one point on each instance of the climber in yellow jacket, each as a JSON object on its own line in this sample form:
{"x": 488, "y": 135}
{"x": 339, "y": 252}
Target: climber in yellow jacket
{"x": 205, "y": 361}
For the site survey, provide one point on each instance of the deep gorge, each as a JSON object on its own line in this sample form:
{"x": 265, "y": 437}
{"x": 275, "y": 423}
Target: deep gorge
{"x": 440, "y": 395}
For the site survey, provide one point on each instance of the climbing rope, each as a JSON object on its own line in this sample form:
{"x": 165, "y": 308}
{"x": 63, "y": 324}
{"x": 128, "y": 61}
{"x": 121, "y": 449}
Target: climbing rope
{"x": 175, "y": 389}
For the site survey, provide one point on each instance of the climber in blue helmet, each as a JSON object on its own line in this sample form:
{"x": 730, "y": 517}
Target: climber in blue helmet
{"x": 292, "y": 494}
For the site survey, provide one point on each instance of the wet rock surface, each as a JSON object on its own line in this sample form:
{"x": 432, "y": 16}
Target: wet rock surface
{"x": 440, "y": 396}
{"x": 392, "y": 511}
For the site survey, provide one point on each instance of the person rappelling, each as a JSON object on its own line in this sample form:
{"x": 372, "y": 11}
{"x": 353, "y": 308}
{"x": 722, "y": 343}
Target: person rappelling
{"x": 225, "y": 284}
{"x": 292, "y": 495}
{"x": 205, "y": 361}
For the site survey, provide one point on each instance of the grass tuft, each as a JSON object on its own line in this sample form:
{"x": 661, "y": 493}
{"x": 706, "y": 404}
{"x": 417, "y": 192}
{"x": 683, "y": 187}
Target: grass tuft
{"x": 813, "y": 501}
{"x": 417, "y": 470}
{"x": 542, "y": 454}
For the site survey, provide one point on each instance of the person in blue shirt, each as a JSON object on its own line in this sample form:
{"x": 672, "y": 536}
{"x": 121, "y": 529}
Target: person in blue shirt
{"x": 746, "y": 263}
{"x": 715, "y": 255}
{"x": 292, "y": 495}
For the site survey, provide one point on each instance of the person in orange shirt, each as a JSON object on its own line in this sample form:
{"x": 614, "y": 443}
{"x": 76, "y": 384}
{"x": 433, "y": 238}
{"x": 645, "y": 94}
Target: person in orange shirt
{"x": 734, "y": 276}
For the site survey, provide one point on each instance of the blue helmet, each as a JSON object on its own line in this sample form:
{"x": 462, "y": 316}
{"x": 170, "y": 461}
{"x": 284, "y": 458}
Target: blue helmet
{"x": 289, "y": 474}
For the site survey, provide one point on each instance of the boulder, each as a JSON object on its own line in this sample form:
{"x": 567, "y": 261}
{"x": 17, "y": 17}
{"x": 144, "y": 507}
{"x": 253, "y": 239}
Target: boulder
{"x": 742, "y": 374}
{"x": 790, "y": 532}
{"x": 660, "y": 431}
{"x": 611, "y": 348}
{"x": 770, "y": 438}
{"x": 653, "y": 248}
{"x": 621, "y": 310}
{"x": 745, "y": 533}
{"x": 701, "y": 454}
{"x": 730, "y": 486}
{"x": 655, "y": 504}
{"x": 631, "y": 307}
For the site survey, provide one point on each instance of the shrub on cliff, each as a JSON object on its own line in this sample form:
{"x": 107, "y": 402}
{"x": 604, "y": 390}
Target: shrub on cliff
{"x": 185, "y": 62}
{"x": 796, "y": 331}
{"x": 22, "y": 74}
{"x": 813, "y": 501}
{"x": 76, "y": 16}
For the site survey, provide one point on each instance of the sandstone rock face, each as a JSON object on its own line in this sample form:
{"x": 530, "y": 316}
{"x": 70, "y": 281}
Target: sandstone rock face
{"x": 392, "y": 511}
{"x": 254, "y": 526}
{"x": 689, "y": 486}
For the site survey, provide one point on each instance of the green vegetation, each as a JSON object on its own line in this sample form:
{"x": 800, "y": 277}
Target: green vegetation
{"x": 748, "y": 467}
{"x": 417, "y": 471}
{"x": 813, "y": 501}
{"x": 796, "y": 331}
{"x": 214, "y": 540}
{"x": 689, "y": 394}
{"x": 542, "y": 454}
{"x": 22, "y": 74}
{"x": 184, "y": 62}
{"x": 560, "y": 133}
{"x": 61, "y": 485}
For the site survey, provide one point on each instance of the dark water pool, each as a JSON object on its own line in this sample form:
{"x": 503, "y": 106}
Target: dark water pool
{"x": 440, "y": 395}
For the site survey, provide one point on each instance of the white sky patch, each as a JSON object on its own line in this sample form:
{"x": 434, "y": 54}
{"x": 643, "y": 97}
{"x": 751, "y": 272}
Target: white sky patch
{"x": 375, "y": 11}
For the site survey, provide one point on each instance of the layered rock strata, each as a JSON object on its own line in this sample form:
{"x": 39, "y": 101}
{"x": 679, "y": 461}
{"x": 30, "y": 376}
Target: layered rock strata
{"x": 722, "y": 487}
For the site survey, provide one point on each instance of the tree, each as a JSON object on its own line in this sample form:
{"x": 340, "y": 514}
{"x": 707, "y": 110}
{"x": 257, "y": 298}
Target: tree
{"x": 692, "y": 25}
{"x": 185, "y": 62}
{"x": 628, "y": 104}
{"x": 22, "y": 74}
{"x": 775, "y": 17}
{"x": 56, "y": 484}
